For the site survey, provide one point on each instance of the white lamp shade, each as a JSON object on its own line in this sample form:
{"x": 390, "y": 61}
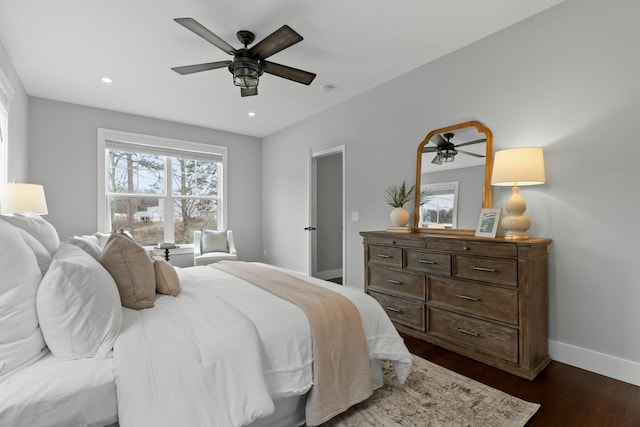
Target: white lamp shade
{"x": 518, "y": 166}
{"x": 18, "y": 198}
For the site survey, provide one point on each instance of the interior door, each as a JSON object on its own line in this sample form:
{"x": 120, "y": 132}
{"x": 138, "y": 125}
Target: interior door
{"x": 326, "y": 214}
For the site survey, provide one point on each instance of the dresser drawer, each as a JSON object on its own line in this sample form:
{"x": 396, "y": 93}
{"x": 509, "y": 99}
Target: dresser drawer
{"x": 384, "y": 255}
{"x": 430, "y": 262}
{"x": 477, "y": 335}
{"x": 397, "y": 282}
{"x": 501, "y": 271}
{"x": 401, "y": 311}
{"x": 480, "y": 300}
{"x": 393, "y": 241}
{"x": 509, "y": 250}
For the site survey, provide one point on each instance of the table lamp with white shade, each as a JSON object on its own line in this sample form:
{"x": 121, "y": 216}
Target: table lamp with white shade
{"x": 18, "y": 198}
{"x": 517, "y": 167}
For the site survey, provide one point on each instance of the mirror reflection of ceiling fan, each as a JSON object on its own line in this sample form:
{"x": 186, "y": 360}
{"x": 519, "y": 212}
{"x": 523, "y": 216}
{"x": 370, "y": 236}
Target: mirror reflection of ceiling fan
{"x": 248, "y": 64}
{"x": 446, "y": 150}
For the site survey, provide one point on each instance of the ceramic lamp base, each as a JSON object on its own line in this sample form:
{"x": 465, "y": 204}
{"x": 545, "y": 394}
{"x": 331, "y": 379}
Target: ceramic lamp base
{"x": 515, "y": 223}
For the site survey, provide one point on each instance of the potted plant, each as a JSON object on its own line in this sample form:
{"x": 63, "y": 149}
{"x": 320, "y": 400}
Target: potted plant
{"x": 397, "y": 196}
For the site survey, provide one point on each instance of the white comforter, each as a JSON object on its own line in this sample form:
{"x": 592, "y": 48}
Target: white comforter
{"x": 223, "y": 349}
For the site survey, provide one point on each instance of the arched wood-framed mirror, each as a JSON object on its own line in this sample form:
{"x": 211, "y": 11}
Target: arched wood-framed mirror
{"x": 456, "y": 157}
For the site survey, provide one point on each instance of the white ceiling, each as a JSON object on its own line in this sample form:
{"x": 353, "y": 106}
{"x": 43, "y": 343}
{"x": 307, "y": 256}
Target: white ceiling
{"x": 62, "y": 48}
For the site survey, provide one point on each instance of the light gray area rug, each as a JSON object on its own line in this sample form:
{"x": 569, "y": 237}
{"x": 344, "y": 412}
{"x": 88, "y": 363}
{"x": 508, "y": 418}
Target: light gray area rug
{"x": 435, "y": 396}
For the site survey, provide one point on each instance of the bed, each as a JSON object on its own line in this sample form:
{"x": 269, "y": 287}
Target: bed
{"x": 223, "y": 351}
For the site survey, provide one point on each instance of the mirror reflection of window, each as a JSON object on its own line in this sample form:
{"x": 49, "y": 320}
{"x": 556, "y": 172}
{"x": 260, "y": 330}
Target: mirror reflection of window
{"x": 439, "y": 205}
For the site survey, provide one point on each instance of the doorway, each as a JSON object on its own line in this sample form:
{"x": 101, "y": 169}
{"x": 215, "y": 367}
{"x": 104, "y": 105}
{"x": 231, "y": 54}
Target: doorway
{"x": 326, "y": 214}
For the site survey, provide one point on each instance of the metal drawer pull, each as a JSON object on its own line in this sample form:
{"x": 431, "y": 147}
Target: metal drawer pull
{"x": 464, "y": 331}
{"x": 426, "y": 261}
{"x": 384, "y": 256}
{"x": 467, "y": 297}
{"x": 394, "y": 282}
{"x": 395, "y": 310}
{"x": 490, "y": 270}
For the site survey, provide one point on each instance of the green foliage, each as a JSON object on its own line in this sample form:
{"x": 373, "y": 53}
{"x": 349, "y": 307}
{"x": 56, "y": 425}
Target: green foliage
{"x": 426, "y": 196}
{"x": 398, "y": 195}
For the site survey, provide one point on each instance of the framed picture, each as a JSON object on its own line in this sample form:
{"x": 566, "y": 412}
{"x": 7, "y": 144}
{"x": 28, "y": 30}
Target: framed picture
{"x": 488, "y": 222}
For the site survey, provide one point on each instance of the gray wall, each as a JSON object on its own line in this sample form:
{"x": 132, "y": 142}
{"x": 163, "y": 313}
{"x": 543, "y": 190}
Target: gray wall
{"x": 567, "y": 80}
{"x": 63, "y": 156}
{"x": 17, "y": 156}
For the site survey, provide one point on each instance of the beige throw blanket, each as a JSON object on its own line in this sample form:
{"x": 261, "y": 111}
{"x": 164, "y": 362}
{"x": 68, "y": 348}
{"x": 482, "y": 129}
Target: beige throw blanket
{"x": 341, "y": 368}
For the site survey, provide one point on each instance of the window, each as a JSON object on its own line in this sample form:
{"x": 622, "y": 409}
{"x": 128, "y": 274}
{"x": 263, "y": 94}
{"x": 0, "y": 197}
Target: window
{"x": 159, "y": 189}
{"x": 439, "y": 205}
{"x": 6, "y": 93}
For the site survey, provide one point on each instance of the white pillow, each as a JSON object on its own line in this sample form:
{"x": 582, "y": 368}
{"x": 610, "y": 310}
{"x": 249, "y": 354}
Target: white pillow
{"x": 21, "y": 341}
{"x": 78, "y": 306}
{"x": 213, "y": 241}
{"x": 103, "y": 238}
{"x": 41, "y": 253}
{"x": 38, "y": 227}
{"x": 89, "y": 244}
{"x": 91, "y": 237}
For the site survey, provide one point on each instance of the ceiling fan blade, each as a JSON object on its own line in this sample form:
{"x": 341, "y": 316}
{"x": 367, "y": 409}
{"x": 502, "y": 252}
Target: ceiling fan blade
{"x": 280, "y": 39}
{"x": 438, "y": 140}
{"x": 472, "y": 142}
{"x": 194, "y": 26}
{"x": 248, "y": 91}
{"x": 436, "y": 160}
{"x": 290, "y": 73}
{"x": 471, "y": 154}
{"x": 430, "y": 149}
{"x": 188, "y": 69}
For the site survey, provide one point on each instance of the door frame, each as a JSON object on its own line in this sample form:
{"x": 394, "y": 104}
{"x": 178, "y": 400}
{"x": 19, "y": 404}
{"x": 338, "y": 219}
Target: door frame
{"x": 312, "y": 182}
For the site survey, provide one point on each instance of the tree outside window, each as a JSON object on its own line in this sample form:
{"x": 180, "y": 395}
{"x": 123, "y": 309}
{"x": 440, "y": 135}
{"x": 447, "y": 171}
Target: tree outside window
{"x": 161, "y": 195}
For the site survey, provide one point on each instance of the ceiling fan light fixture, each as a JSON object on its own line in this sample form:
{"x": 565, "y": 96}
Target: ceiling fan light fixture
{"x": 246, "y": 72}
{"x": 447, "y": 155}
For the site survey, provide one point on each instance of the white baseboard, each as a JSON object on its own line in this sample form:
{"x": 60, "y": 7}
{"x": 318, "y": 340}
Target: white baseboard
{"x": 329, "y": 274}
{"x": 600, "y": 363}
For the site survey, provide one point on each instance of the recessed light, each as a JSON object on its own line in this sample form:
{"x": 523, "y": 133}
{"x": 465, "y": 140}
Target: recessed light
{"x": 106, "y": 80}
{"x": 252, "y": 114}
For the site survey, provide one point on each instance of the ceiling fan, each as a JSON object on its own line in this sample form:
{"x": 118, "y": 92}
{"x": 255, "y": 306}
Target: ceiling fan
{"x": 446, "y": 150}
{"x": 248, "y": 64}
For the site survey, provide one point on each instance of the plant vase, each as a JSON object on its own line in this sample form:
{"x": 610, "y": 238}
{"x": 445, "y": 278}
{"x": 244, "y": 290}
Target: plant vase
{"x": 399, "y": 217}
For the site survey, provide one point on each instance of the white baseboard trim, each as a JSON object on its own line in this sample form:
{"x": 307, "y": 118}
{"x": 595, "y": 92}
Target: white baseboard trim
{"x": 600, "y": 363}
{"x": 329, "y": 274}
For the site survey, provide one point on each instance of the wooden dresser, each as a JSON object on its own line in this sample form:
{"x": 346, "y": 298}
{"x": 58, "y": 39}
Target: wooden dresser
{"x": 483, "y": 298}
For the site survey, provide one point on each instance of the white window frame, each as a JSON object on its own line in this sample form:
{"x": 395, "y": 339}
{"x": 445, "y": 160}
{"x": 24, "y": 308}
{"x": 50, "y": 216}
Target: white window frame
{"x": 450, "y": 188}
{"x": 6, "y": 95}
{"x": 137, "y": 140}
{"x": 4, "y": 127}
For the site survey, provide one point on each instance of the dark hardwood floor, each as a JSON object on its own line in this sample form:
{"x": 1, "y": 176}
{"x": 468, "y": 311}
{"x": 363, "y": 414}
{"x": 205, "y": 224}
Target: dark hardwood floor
{"x": 568, "y": 396}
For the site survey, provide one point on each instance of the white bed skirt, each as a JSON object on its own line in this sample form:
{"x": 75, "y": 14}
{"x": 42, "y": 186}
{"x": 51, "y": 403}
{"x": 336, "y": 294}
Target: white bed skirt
{"x": 289, "y": 412}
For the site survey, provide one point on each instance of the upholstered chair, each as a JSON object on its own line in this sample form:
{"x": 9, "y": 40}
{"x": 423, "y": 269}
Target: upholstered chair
{"x": 213, "y": 246}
